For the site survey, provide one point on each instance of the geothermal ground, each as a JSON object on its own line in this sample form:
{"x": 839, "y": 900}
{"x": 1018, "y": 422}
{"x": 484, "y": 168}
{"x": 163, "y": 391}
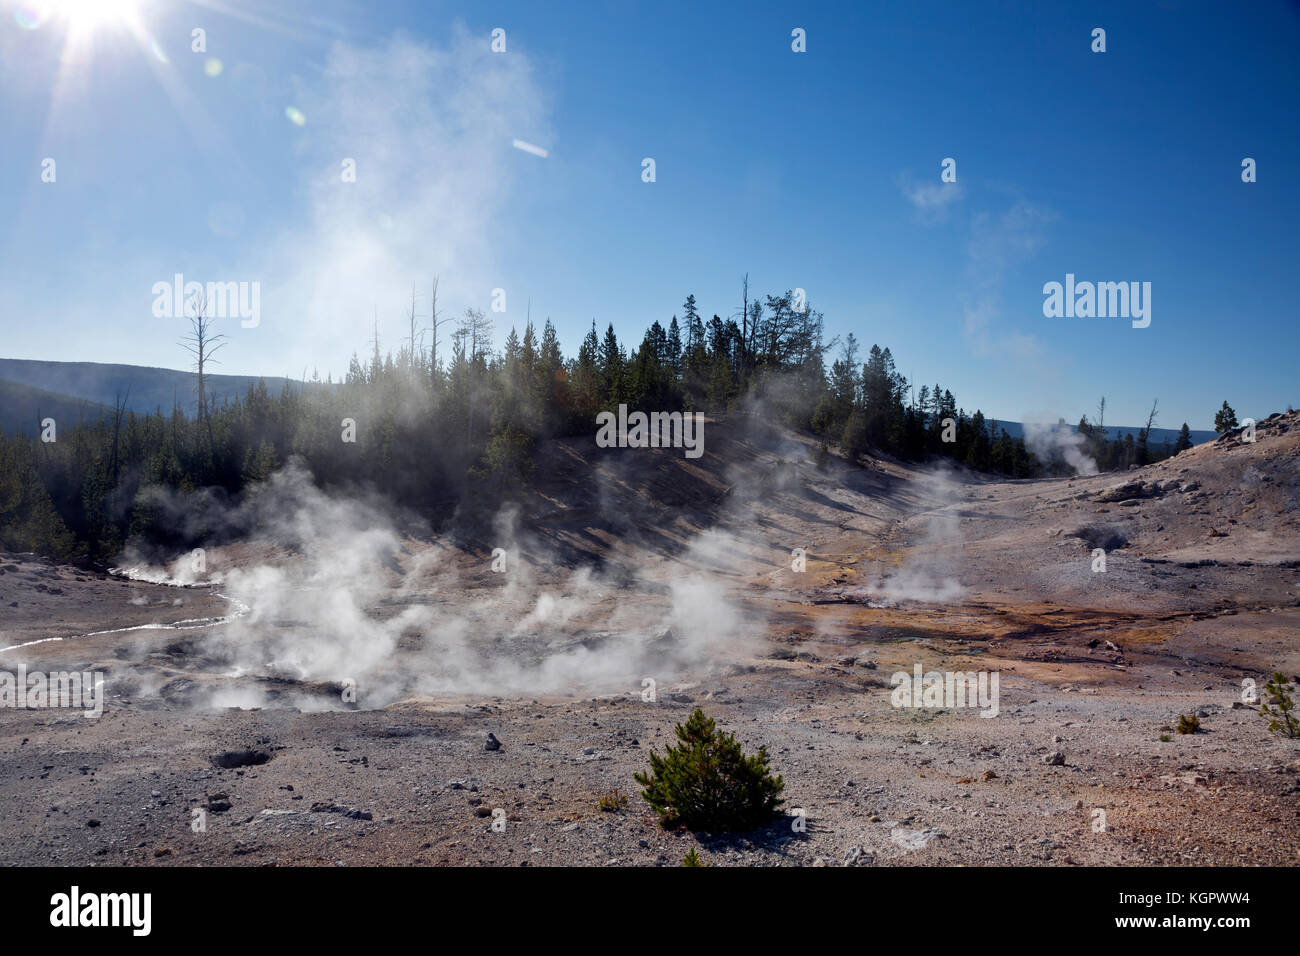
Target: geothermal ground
{"x": 640, "y": 573}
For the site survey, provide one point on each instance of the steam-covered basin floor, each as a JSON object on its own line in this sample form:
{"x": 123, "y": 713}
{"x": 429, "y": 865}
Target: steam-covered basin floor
{"x": 638, "y": 587}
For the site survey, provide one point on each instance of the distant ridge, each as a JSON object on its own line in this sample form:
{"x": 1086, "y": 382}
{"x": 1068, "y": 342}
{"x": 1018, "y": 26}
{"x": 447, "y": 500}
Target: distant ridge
{"x": 145, "y": 389}
{"x": 1158, "y": 435}
{"x": 22, "y": 408}
{"x": 150, "y": 388}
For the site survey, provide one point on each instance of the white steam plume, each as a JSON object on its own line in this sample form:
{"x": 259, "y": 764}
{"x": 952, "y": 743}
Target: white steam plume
{"x": 1060, "y": 442}
{"x": 349, "y": 597}
{"x": 928, "y": 571}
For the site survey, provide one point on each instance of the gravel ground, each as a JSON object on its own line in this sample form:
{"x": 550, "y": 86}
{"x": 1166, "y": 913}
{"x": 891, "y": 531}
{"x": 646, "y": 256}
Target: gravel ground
{"x": 1201, "y": 590}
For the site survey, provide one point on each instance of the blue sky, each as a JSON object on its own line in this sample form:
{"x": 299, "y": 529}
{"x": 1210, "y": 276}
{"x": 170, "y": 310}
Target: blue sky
{"x": 817, "y": 170}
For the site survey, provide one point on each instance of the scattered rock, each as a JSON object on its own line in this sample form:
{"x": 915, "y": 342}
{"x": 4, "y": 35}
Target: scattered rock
{"x": 230, "y": 759}
{"x": 218, "y": 803}
{"x": 1108, "y": 539}
{"x": 350, "y": 812}
{"x": 1128, "y": 490}
{"x": 915, "y": 839}
{"x": 857, "y": 856}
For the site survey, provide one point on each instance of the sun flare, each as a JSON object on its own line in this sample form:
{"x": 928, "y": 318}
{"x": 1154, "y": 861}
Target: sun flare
{"x": 85, "y": 14}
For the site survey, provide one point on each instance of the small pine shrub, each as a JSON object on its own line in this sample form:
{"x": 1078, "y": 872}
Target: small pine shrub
{"x": 1165, "y": 738}
{"x": 1188, "y": 723}
{"x": 692, "y": 858}
{"x": 612, "y": 802}
{"x": 706, "y": 782}
{"x": 1278, "y": 706}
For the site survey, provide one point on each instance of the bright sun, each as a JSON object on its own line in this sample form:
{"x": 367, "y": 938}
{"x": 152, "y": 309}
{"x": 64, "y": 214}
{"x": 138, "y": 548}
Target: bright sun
{"x": 86, "y": 14}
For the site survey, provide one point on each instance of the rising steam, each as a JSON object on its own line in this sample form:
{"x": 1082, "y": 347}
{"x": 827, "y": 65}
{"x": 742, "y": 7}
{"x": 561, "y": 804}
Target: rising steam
{"x": 335, "y": 594}
{"x": 1058, "y": 443}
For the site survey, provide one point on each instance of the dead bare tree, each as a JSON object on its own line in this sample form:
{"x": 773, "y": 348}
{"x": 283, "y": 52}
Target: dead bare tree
{"x": 744, "y": 319}
{"x": 202, "y": 344}
{"x": 411, "y": 362}
{"x": 434, "y": 322}
{"x": 1099, "y": 433}
{"x": 1145, "y": 437}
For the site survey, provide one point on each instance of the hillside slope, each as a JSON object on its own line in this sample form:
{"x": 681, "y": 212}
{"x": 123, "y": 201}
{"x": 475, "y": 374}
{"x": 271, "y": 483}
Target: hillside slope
{"x": 145, "y": 389}
{"x": 22, "y": 408}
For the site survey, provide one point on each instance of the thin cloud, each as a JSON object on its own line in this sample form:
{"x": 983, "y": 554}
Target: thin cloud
{"x": 930, "y": 200}
{"x": 430, "y": 131}
{"x": 997, "y": 246}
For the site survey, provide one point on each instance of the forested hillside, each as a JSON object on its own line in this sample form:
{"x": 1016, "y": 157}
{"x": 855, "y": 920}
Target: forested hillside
{"x": 422, "y": 427}
{"x": 22, "y": 408}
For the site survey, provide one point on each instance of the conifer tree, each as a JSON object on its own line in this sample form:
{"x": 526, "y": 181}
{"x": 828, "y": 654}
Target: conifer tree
{"x": 674, "y": 346}
{"x": 1225, "y": 420}
{"x": 705, "y": 782}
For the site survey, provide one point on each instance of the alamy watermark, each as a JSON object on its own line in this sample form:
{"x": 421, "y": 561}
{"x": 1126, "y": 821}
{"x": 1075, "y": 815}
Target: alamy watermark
{"x": 129, "y": 910}
{"x": 946, "y": 689}
{"x": 655, "y": 430}
{"x": 216, "y": 300}
{"x": 1101, "y": 300}
{"x": 61, "y": 689}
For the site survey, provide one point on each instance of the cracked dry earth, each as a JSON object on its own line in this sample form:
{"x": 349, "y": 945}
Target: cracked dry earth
{"x": 905, "y": 566}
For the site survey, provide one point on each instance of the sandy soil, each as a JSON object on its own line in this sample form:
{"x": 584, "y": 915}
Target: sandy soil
{"x": 904, "y": 567}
